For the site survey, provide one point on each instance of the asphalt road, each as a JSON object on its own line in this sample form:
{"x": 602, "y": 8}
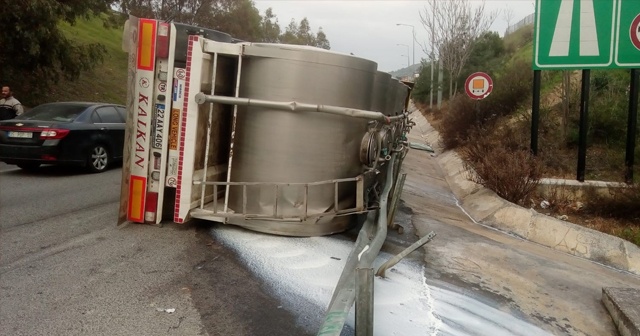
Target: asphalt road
{"x": 67, "y": 269}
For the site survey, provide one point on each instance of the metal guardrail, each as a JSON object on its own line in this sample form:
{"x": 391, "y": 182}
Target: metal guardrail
{"x": 368, "y": 245}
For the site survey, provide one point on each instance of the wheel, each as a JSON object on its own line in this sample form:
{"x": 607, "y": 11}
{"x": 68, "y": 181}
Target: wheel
{"x": 98, "y": 159}
{"x": 29, "y": 166}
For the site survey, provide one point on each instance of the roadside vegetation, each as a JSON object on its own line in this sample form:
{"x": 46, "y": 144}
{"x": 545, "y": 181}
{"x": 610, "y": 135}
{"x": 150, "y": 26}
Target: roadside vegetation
{"x": 75, "y": 53}
{"x": 492, "y": 136}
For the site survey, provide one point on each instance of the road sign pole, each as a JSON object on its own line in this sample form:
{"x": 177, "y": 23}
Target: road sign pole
{"x": 584, "y": 124}
{"x": 535, "y": 111}
{"x": 632, "y": 124}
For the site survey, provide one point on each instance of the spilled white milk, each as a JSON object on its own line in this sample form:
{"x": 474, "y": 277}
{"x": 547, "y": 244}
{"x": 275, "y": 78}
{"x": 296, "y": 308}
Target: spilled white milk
{"x": 303, "y": 272}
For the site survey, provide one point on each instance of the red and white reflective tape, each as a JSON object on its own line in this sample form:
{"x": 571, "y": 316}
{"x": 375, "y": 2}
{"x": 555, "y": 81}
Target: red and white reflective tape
{"x": 183, "y": 130}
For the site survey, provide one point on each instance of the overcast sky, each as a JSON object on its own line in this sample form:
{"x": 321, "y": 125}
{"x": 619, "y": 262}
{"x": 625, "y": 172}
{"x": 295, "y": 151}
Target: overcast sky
{"x": 367, "y": 28}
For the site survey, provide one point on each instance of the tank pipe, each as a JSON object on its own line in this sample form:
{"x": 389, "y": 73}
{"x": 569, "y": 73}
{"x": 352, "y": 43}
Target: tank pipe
{"x": 202, "y": 98}
{"x": 362, "y": 256}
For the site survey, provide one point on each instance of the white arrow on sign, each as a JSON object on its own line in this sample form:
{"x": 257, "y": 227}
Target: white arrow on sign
{"x": 588, "y": 30}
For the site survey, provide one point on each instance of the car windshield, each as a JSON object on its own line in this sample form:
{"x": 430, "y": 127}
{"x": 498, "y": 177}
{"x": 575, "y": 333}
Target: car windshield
{"x": 53, "y": 112}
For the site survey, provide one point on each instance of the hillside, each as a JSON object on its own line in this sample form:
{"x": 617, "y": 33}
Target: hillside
{"x": 107, "y": 82}
{"x": 496, "y": 130}
{"x": 408, "y": 71}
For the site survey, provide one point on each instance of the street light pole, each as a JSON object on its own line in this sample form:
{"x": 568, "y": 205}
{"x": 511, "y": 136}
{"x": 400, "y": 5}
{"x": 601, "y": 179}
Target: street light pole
{"x": 400, "y": 44}
{"x": 407, "y": 55}
{"x": 413, "y": 33}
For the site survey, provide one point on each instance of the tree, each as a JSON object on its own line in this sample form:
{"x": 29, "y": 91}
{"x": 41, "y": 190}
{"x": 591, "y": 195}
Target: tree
{"x": 184, "y": 11}
{"x": 290, "y": 35}
{"x": 487, "y": 51}
{"x": 301, "y": 34}
{"x": 239, "y": 18}
{"x": 507, "y": 15}
{"x": 36, "y": 56}
{"x": 305, "y": 36}
{"x": 321, "y": 40}
{"x": 454, "y": 27}
{"x": 270, "y": 27}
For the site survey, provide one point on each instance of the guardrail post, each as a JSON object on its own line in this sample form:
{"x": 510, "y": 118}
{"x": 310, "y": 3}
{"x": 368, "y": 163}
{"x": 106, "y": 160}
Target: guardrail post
{"x": 364, "y": 301}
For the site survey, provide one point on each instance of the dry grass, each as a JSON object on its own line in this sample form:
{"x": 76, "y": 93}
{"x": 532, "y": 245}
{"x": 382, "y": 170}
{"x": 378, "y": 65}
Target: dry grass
{"x": 617, "y": 213}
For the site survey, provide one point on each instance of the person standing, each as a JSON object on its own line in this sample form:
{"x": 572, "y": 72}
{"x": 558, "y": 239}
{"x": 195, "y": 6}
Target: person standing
{"x": 10, "y": 107}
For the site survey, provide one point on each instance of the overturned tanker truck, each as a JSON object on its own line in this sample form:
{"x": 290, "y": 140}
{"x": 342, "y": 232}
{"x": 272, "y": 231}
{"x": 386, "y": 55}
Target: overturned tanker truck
{"x": 283, "y": 139}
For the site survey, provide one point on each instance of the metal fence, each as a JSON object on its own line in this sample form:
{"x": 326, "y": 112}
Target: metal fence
{"x": 528, "y": 20}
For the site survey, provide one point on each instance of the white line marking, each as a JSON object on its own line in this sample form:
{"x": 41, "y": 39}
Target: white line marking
{"x": 588, "y": 30}
{"x": 562, "y": 33}
{"x": 8, "y": 170}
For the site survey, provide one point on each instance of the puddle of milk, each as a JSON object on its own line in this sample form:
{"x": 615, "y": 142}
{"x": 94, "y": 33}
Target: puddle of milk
{"x": 303, "y": 273}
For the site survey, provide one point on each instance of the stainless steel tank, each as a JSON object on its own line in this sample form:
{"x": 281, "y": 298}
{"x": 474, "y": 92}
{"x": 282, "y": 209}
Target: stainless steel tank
{"x": 391, "y": 96}
{"x": 401, "y": 96}
{"x": 381, "y": 85}
{"x": 299, "y": 147}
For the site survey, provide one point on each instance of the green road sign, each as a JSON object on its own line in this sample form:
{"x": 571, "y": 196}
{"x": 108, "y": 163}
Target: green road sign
{"x": 586, "y": 34}
{"x": 574, "y": 34}
{"x": 627, "y": 51}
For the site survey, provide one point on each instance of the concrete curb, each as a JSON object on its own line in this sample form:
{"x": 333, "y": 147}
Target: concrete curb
{"x": 485, "y": 206}
{"x": 622, "y": 304}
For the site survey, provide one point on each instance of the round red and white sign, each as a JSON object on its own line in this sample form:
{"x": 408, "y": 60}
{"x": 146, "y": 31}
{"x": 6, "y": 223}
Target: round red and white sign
{"x": 634, "y": 32}
{"x": 180, "y": 74}
{"x": 478, "y": 86}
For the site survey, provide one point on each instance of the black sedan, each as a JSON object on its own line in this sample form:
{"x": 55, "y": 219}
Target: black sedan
{"x": 76, "y": 133}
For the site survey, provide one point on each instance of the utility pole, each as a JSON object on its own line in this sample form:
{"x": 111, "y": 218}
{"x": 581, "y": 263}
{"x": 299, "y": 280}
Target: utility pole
{"x": 433, "y": 58}
{"x": 432, "y": 65}
{"x": 440, "y": 77}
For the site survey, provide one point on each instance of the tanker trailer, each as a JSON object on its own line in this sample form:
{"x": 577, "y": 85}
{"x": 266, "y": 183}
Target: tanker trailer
{"x": 304, "y": 148}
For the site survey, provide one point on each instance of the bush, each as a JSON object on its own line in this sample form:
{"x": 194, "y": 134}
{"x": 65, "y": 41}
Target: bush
{"x": 608, "y": 109}
{"x": 458, "y": 121}
{"x": 631, "y": 234}
{"x": 511, "y": 89}
{"x": 621, "y": 203}
{"x": 513, "y": 175}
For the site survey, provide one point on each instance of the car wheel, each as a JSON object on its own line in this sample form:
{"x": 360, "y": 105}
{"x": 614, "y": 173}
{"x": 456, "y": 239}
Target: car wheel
{"x": 98, "y": 159}
{"x": 29, "y": 166}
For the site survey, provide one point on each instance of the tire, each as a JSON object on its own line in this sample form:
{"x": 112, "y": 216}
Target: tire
{"x": 30, "y": 167}
{"x": 98, "y": 159}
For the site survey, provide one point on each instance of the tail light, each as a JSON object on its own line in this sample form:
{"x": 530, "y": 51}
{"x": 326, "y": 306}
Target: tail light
{"x": 48, "y": 157}
{"x": 163, "y": 40}
{"x": 53, "y": 133}
{"x": 151, "y": 207}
